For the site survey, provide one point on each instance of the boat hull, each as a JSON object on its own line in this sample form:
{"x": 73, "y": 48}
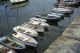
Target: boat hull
{"x": 27, "y": 31}
{"x": 26, "y": 43}
{"x": 12, "y": 42}
{"x": 17, "y": 1}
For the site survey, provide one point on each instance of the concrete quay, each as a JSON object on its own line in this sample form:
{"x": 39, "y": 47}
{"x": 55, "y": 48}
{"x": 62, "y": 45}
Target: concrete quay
{"x": 69, "y": 41}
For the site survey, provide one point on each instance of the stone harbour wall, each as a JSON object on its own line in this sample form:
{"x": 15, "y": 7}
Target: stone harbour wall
{"x": 69, "y": 41}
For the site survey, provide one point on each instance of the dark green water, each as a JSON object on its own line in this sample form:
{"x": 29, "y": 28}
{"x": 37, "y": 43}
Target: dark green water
{"x": 11, "y": 16}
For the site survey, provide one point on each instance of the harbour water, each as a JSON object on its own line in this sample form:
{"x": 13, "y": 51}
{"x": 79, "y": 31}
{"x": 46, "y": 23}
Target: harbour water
{"x": 13, "y": 15}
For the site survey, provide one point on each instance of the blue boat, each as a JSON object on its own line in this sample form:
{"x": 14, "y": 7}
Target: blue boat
{"x": 11, "y": 43}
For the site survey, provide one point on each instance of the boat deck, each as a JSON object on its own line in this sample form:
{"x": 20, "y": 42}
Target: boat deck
{"x": 35, "y": 27}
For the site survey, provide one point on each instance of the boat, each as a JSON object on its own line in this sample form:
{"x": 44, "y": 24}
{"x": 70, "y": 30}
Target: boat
{"x": 59, "y": 14}
{"x": 38, "y": 19}
{"x": 71, "y": 2}
{"x": 17, "y": 1}
{"x": 37, "y": 28}
{"x": 63, "y": 10}
{"x": 26, "y": 30}
{"x": 11, "y": 51}
{"x": 56, "y": 15}
{"x": 13, "y": 6}
{"x": 25, "y": 39}
{"x": 4, "y": 49}
{"x": 11, "y": 43}
{"x": 43, "y": 24}
{"x": 49, "y": 17}
{"x": 43, "y": 16}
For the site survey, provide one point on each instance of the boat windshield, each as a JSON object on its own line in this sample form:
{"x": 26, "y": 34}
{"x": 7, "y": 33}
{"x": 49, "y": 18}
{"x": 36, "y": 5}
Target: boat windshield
{"x": 15, "y": 45}
{"x": 21, "y": 30}
{"x": 7, "y": 41}
{"x": 41, "y": 16}
{"x": 27, "y": 33}
{"x": 50, "y": 17}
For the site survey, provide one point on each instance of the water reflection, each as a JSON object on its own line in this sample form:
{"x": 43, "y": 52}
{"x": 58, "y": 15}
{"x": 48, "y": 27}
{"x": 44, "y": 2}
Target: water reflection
{"x": 2, "y": 2}
{"x": 7, "y": 11}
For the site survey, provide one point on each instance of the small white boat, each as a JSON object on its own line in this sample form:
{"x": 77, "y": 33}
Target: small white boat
{"x": 50, "y": 17}
{"x": 18, "y": 5}
{"x": 25, "y": 39}
{"x": 43, "y": 24}
{"x": 5, "y": 49}
{"x": 71, "y": 2}
{"x": 26, "y": 30}
{"x": 35, "y": 27}
{"x": 63, "y": 10}
{"x": 16, "y": 1}
{"x": 38, "y": 19}
{"x": 11, "y": 51}
{"x": 59, "y": 14}
{"x": 41, "y": 16}
{"x": 11, "y": 43}
{"x": 54, "y": 15}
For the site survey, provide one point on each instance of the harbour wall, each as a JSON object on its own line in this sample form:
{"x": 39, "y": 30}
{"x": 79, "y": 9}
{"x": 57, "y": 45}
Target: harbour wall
{"x": 69, "y": 41}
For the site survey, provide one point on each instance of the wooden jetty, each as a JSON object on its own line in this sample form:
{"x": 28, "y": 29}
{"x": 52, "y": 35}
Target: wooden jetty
{"x": 69, "y": 41}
